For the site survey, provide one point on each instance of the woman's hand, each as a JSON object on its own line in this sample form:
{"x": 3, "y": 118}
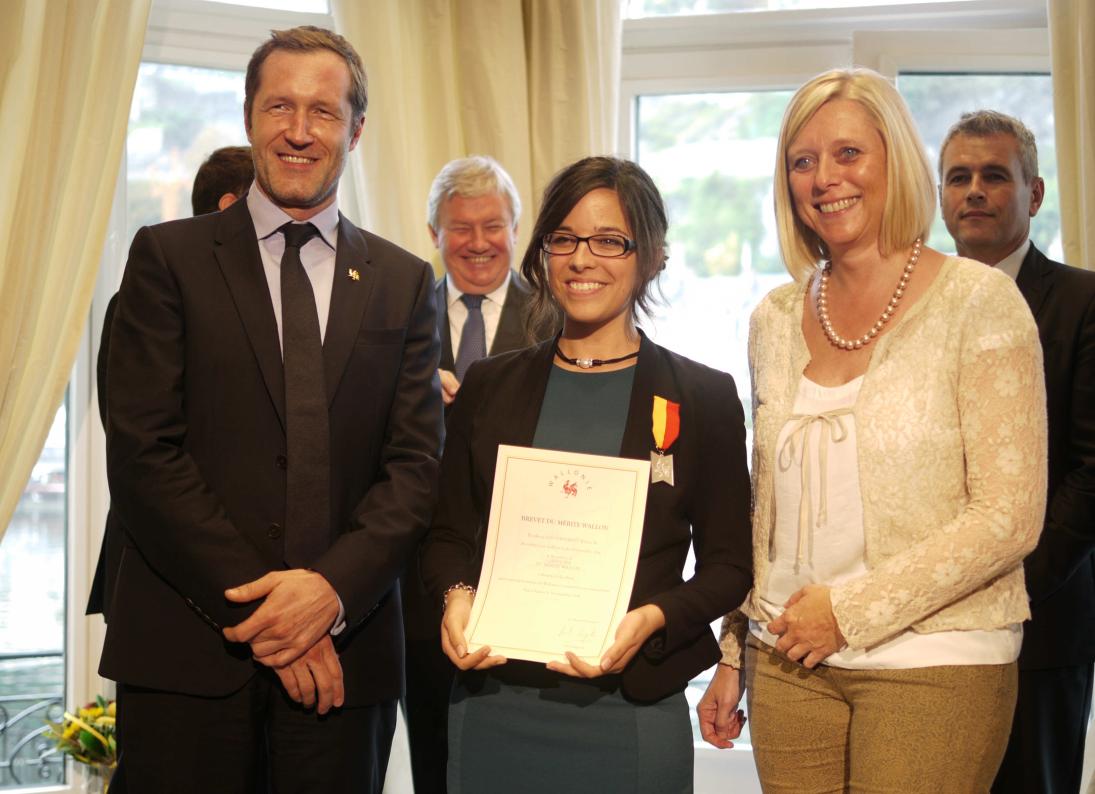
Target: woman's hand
{"x": 807, "y": 628}
{"x": 453, "y": 643}
{"x": 633, "y": 631}
{"x": 720, "y": 718}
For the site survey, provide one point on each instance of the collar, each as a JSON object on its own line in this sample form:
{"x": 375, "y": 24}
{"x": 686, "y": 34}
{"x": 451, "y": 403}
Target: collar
{"x": 268, "y": 217}
{"x": 497, "y": 295}
{"x": 1011, "y": 263}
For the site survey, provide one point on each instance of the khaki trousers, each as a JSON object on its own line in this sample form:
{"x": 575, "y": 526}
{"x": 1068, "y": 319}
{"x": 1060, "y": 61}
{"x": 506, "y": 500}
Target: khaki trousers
{"x": 936, "y": 730}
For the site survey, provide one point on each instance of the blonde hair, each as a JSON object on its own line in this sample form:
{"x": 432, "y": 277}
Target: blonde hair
{"x": 910, "y": 181}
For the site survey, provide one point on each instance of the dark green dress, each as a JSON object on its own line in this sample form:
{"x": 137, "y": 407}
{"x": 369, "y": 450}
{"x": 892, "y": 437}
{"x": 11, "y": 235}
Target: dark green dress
{"x": 522, "y": 728}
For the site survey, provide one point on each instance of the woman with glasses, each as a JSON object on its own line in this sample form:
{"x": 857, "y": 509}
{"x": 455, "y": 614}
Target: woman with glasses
{"x": 899, "y": 464}
{"x": 597, "y": 387}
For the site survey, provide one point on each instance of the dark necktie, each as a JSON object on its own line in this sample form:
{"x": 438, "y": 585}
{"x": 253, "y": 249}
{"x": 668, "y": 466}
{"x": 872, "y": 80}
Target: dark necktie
{"x": 473, "y": 339}
{"x": 307, "y": 432}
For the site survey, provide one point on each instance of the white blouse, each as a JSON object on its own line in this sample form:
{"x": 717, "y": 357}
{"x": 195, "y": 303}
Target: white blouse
{"x": 818, "y": 536}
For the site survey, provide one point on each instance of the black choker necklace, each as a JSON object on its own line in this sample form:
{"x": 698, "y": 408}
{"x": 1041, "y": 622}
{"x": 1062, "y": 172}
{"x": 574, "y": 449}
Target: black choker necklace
{"x": 590, "y": 363}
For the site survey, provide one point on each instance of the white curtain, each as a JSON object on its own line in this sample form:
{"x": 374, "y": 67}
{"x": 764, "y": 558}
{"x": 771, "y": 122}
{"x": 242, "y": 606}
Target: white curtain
{"x": 1072, "y": 40}
{"x": 532, "y": 83}
{"x": 67, "y": 70}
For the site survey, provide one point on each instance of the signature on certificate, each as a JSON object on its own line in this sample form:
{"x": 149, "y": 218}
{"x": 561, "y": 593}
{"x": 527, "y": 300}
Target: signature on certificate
{"x": 578, "y": 630}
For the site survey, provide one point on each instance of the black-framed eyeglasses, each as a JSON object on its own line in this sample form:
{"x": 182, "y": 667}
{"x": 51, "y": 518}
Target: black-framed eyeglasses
{"x": 607, "y": 245}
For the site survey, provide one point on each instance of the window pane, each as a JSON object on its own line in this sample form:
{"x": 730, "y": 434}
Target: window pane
{"x": 303, "y": 6}
{"x": 32, "y": 618}
{"x": 712, "y": 157}
{"x": 936, "y": 102}
{"x": 659, "y": 8}
{"x": 180, "y": 114}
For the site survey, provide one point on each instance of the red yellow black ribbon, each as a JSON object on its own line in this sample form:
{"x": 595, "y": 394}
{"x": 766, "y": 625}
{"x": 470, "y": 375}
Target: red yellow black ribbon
{"x": 667, "y": 423}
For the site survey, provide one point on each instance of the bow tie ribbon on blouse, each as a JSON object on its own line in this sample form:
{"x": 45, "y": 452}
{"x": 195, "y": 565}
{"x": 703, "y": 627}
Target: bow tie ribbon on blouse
{"x": 833, "y": 431}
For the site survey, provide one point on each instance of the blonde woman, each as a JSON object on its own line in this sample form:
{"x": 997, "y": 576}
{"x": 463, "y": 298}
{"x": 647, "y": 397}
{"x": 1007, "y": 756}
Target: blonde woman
{"x": 899, "y": 474}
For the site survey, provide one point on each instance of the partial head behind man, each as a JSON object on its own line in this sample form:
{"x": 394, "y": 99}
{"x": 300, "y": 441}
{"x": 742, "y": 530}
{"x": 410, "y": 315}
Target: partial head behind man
{"x": 988, "y": 184}
{"x": 223, "y": 178}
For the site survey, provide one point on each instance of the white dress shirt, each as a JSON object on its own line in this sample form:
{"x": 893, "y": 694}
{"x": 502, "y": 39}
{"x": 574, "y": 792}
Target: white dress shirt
{"x": 1011, "y": 263}
{"x": 491, "y": 308}
{"x": 317, "y": 255}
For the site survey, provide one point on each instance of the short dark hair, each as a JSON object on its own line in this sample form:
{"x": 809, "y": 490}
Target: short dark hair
{"x": 985, "y": 124}
{"x": 307, "y": 38}
{"x": 643, "y": 210}
{"x": 227, "y": 170}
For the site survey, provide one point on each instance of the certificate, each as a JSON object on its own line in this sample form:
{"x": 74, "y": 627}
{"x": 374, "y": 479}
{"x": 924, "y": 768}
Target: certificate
{"x": 562, "y": 545}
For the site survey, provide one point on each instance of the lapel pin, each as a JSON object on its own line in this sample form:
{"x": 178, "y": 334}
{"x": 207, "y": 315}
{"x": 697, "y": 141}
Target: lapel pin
{"x": 353, "y": 274}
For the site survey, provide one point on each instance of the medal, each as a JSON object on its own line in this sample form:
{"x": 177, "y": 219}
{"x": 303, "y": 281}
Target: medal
{"x": 666, "y": 427}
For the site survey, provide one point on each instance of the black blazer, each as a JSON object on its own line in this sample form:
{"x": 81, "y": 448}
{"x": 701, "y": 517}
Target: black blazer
{"x": 511, "y": 325}
{"x": 98, "y": 600}
{"x": 499, "y": 403}
{"x": 196, "y": 449}
{"x": 1060, "y": 572}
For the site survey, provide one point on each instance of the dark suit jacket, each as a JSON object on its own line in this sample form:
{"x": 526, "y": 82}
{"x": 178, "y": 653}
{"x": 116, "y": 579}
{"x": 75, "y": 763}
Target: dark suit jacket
{"x": 499, "y": 403}
{"x": 511, "y": 325}
{"x": 196, "y": 450}
{"x": 1061, "y": 570}
{"x": 98, "y": 600}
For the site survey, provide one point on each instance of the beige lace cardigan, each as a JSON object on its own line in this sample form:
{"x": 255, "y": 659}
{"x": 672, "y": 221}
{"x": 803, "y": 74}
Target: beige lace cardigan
{"x": 951, "y": 425}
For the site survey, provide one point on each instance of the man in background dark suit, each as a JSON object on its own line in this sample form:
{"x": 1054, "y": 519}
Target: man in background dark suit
{"x": 221, "y": 181}
{"x": 472, "y": 213}
{"x": 990, "y": 189}
{"x": 274, "y": 422}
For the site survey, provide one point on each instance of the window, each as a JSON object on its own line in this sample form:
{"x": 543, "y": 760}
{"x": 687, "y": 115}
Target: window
{"x": 656, "y": 8}
{"x": 180, "y": 114}
{"x": 307, "y": 6}
{"x": 32, "y": 617}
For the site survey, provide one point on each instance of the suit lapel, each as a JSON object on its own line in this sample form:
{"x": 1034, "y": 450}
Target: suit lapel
{"x": 237, "y": 252}
{"x": 651, "y": 378}
{"x": 510, "y": 335}
{"x": 349, "y": 296}
{"x": 1034, "y": 279}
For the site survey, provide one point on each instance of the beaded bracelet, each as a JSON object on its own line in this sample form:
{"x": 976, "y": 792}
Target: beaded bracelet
{"x": 458, "y": 586}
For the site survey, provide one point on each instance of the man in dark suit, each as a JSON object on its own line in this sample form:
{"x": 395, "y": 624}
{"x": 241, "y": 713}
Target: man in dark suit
{"x": 221, "y": 181}
{"x": 274, "y": 423}
{"x": 472, "y": 214}
{"x": 990, "y": 189}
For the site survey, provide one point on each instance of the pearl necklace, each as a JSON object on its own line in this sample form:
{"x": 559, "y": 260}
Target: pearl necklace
{"x": 838, "y": 341}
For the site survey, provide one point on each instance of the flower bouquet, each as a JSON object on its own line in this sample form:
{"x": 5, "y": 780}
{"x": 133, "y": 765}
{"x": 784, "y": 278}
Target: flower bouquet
{"x": 89, "y": 737}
